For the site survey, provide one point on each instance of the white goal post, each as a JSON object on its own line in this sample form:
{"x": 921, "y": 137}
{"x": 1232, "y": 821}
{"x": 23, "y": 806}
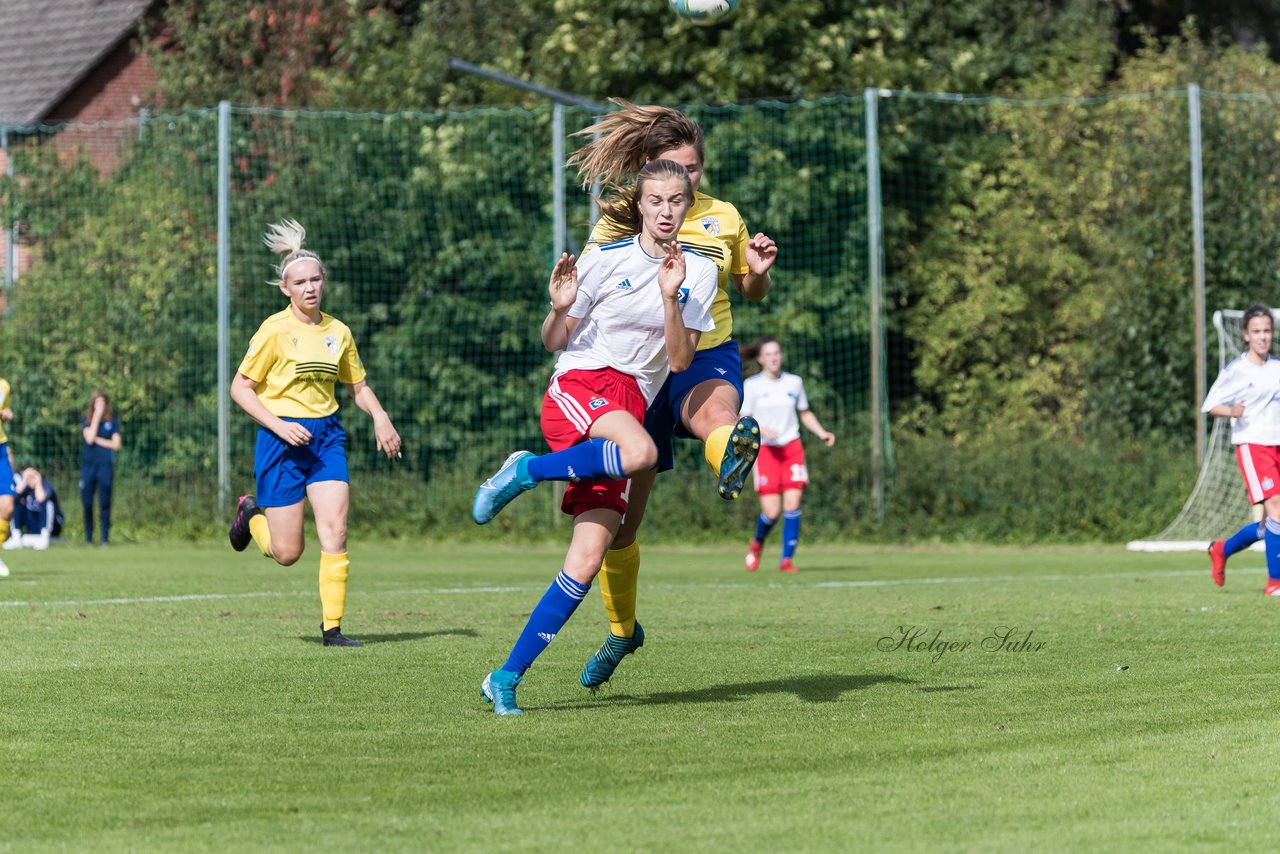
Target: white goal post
{"x": 1218, "y": 505}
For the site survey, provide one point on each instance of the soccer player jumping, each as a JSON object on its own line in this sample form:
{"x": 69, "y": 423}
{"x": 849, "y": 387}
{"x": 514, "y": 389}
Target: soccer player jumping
{"x": 631, "y": 312}
{"x": 702, "y": 402}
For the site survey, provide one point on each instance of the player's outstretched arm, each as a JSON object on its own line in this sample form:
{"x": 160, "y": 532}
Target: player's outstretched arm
{"x": 558, "y": 326}
{"x": 383, "y": 430}
{"x": 756, "y": 282}
{"x": 808, "y": 419}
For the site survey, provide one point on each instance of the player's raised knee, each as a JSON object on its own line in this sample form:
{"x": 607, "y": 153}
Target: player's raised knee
{"x": 285, "y": 556}
{"x": 638, "y": 456}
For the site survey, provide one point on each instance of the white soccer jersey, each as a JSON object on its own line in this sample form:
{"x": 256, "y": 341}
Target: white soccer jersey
{"x": 775, "y": 404}
{"x": 1258, "y": 388}
{"x": 620, "y": 307}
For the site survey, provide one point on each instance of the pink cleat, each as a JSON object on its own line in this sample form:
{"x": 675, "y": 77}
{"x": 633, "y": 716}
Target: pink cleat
{"x": 1218, "y": 562}
{"x": 752, "y": 560}
{"x": 786, "y": 565}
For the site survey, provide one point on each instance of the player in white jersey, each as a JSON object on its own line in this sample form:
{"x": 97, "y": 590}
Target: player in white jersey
{"x": 620, "y": 308}
{"x": 631, "y": 313}
{"x": 1248, "y": 392}
{"x": 778, "y": 402}
{"x": 699, "y": 403}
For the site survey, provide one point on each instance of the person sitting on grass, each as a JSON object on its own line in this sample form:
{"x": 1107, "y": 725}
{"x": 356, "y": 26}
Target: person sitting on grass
{"x": 37, "y": 517}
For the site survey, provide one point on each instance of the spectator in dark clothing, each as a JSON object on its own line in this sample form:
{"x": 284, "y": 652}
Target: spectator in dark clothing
{"x": 37, "y": 517}
{"x": 101, "y": 434}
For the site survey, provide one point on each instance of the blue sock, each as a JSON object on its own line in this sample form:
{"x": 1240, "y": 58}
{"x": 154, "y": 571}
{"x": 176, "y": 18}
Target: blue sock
{"x": 554, "y": 610}
{"x": 1273, "y": 548}
{"x": 790, "y": 533}
{"x": 763, "y": 526}
{"x": 1243, "y": 538}
{"x": 594, "y": 459}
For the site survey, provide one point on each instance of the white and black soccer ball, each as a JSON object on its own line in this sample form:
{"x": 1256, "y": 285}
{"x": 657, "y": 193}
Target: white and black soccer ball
{"x": 704, "y": 13}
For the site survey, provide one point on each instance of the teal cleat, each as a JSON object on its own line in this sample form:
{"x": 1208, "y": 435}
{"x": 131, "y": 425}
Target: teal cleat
{"x": 499, "y": 688}
{"x": 501, "y": 489}
{"x": 599, "y": 668}
{"x": 739, "y": 456}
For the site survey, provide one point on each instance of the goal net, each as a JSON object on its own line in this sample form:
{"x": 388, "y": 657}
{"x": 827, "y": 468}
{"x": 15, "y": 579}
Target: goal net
{"x": 1218, "y": 504}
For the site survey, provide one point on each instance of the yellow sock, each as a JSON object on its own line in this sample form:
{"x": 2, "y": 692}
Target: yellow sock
{"x": 261, "y": 532}
{"x": 618, "y": 577}
{"x": 713, "y": 448}
{"x": 333, "y": 587}
{"x": 4, "y": 530}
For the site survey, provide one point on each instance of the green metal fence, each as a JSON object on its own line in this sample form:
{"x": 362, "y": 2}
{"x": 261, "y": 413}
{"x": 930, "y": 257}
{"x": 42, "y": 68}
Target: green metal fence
{"x": 1061, "y": 230}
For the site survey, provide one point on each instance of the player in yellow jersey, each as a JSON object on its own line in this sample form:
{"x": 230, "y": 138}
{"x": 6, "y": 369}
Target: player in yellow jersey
{"x": 286, "y": 383}
{"x": 6, "y": 471}
{"x": 702, "y": 401}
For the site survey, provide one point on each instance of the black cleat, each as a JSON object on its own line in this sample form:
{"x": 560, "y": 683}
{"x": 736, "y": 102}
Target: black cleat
{"x": 335, "y": 637}
{"x": 240, "y": 534}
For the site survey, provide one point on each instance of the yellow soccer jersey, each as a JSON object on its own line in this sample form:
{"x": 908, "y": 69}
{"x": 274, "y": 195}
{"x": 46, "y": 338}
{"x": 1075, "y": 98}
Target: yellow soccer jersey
{"x": 296, "y": 365}
{"x": 4, "y": 404}
{"x": 716, "y": 230}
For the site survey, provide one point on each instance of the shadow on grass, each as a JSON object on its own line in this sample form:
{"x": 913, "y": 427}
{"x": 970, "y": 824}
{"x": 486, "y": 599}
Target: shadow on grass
{"x": 402, "y": 636}
{"x": 810, "y": 689}
{"x": 821, "y": 564}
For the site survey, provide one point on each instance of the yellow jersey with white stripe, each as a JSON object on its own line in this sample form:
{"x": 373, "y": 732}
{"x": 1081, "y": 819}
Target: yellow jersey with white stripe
{"x": 4, "y": 404}
{"x": 715, "y": 229}
{"x": 296, "y": 365}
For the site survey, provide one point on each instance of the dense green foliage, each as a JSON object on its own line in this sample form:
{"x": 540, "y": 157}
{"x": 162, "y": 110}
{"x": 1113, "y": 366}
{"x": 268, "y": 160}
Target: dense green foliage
{"x": 391, "y": 54}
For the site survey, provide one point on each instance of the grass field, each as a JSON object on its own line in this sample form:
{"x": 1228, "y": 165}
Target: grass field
{"x": 176, "y": 697}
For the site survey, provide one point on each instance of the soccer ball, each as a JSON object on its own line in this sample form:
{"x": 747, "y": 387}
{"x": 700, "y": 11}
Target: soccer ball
{"x": 704, "y": 13}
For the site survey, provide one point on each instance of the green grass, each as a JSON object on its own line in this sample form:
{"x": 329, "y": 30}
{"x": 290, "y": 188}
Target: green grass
{"x": 762, "y": 713}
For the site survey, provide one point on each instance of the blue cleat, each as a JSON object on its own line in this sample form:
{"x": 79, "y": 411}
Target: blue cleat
{"x": 501, "y": 489}
{"x": 499, "y": 688}
{"x": 600, "y": 666}
{"x": 739, "y": 456}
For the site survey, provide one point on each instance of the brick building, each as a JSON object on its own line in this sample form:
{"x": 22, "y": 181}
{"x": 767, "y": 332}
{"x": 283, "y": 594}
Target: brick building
{"x": 70, "y": 62}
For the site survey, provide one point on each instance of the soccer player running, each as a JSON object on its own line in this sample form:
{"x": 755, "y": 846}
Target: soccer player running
{"x": 286, "y": 383}
{"x": 776, "y": 398}
{"x": 629, "y": 314}
{"x": 701, "y": 402}
{"x": 6, "y": 471}
{"x": 1248, "y": 392}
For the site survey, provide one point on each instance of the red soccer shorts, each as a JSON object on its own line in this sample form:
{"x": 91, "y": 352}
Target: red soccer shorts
{"x": 574, "y": 401}
{"x": 1260, "y": 465}
{"x": 780, "y": 468}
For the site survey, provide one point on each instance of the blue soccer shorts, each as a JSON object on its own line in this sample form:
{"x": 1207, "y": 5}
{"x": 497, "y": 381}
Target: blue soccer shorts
{"x": 662, "y": 418}
{"x": 283, "y": 472}
{"x": 6, "y": 471}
